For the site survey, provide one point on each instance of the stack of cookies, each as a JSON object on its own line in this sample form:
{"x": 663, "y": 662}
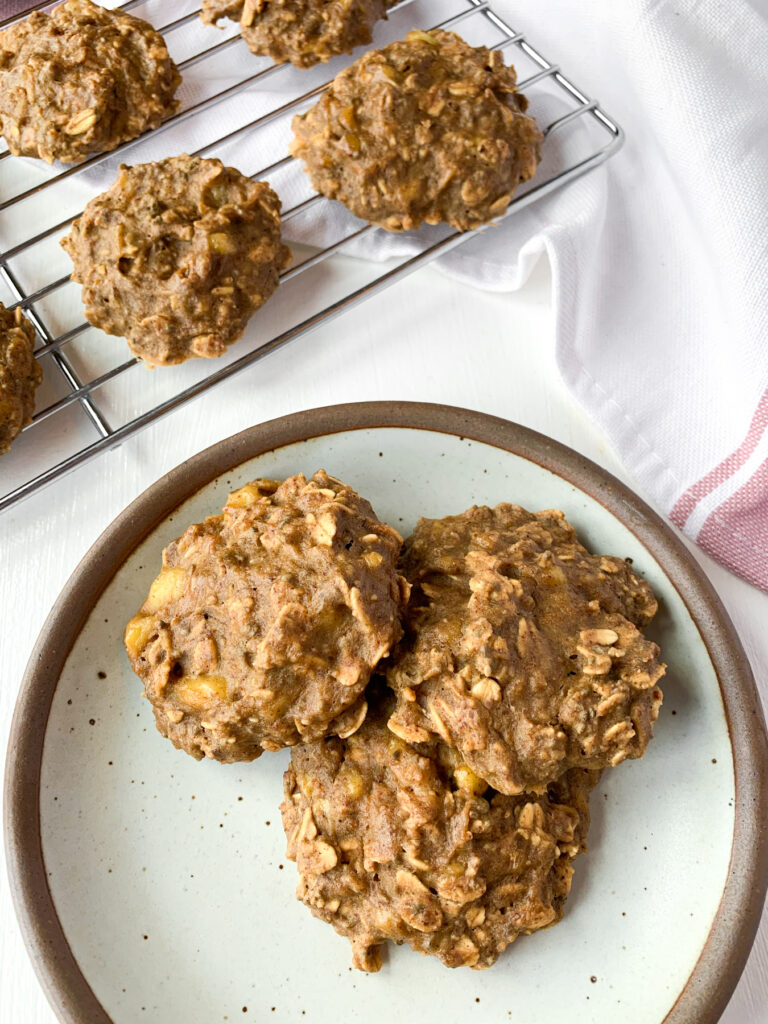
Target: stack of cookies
{"x": 449, "y": 702}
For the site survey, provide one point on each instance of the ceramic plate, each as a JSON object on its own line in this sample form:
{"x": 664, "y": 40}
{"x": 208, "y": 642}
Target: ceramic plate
{"x": 152, "y": 888}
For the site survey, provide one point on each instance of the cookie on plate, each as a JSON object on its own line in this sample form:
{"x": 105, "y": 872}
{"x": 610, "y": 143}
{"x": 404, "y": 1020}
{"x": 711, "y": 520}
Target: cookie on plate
{"x": 304, "y": 32}
{"x": 20, "y": 375}
{"x": 429, "y": 129}
{"x": 82, "y": 80}
{"x": 265, "y": 624}
{"x": 177, "y": 255}
{"x": 522, "y": 649}
{"x": 403, "y": 843}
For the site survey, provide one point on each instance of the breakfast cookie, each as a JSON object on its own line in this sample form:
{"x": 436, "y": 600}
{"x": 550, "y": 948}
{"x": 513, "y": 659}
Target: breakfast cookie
{"x": 521, "y": 648}
{"x": 403, "y": 843}
{"x": 427, "y": 129}
{"x": 82, "y": 80}
{"x": 304, "y": 32}
{"x": 266, "y": 621}
{"x": 20, "y": 375}
{"x": 177, "y": 255}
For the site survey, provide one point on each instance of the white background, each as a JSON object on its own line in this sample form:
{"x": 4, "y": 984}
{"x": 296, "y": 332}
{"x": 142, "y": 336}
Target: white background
{"x": 426, "y": 339}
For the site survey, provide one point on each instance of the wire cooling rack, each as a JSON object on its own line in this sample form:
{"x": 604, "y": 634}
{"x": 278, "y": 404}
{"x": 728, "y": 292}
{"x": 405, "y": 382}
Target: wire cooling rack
{"x": 92, "y": 397}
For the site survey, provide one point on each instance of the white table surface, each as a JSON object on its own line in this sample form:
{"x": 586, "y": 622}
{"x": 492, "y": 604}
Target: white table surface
{"x": 426, "y": 339}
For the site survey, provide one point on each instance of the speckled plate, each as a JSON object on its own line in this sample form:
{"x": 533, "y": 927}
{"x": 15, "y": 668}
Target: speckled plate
{"x": 151, "y": 888}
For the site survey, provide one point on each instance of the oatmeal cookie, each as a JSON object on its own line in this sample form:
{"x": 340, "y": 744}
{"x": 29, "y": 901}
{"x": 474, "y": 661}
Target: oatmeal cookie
{"x": 304, "y": 32}
{"x": 427, "y": 129}
{"x": 266, "y": 621}
{"x": 177, "y": 255}
{"x": 404, "y": 843}
{"x": 521, "y": 648}
{"x": 82, "y": 80}
{"x": 20, "y": 375}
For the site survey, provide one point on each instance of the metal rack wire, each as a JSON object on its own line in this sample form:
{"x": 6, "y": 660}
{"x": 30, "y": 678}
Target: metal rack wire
{"x": 83, "y": 388}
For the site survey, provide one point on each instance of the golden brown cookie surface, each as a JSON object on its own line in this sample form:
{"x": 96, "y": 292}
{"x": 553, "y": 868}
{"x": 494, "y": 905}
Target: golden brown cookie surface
{"x": 264, "y": 626}
{"x": 81, "y": 80}
{"x": 304, "y": 32}
{"x": 400, "y": 843}
{"x": 20, "y": 375}
{"x": 521, "y": 648}
{"x": 177, "y": 255}
{"x": 428, "y": 129}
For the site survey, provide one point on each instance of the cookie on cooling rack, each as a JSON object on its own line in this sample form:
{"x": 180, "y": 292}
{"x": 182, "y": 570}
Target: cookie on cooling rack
{"x": 304, "y": 32}
{"x": 82, "y": 80}
{"x": 427, "y": 129}
{"x": 177, "y": 255}
{"x": 265, "y": 624}
{"x": 402, "y": 843}
{"x": 20, "y": 375}
{"x": 522, "y": 649}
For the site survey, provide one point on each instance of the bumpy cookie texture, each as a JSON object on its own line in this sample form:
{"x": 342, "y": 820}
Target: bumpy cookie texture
{"x": 427, "y": 129}
{"x": 521, "y": 648}
{"x": 20, "y": 375}
{"x": 266, "y": 621}
{"x": 304, "y": 32}
{"x": 177, "y": 255}
{"x": 82, "y": 80}
{"x": 403, "y": 843}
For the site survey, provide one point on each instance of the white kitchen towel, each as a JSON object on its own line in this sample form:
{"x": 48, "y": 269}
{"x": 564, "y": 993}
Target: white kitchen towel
{"x": 659, "y": 258}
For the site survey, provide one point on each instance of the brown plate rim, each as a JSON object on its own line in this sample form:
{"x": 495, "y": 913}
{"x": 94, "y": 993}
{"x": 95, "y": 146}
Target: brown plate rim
{"x": 717, "y": 971}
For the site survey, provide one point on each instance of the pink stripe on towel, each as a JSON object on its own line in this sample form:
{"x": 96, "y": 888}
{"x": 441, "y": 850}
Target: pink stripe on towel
{"x": 687, "y": 502}
{"x": 736, "y": 533}
{"x": 685, "y": 505}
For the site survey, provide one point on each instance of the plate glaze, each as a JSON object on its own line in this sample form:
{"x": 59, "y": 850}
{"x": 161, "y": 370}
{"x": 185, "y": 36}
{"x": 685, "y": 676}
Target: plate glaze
{"x": 163, "y": 893}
